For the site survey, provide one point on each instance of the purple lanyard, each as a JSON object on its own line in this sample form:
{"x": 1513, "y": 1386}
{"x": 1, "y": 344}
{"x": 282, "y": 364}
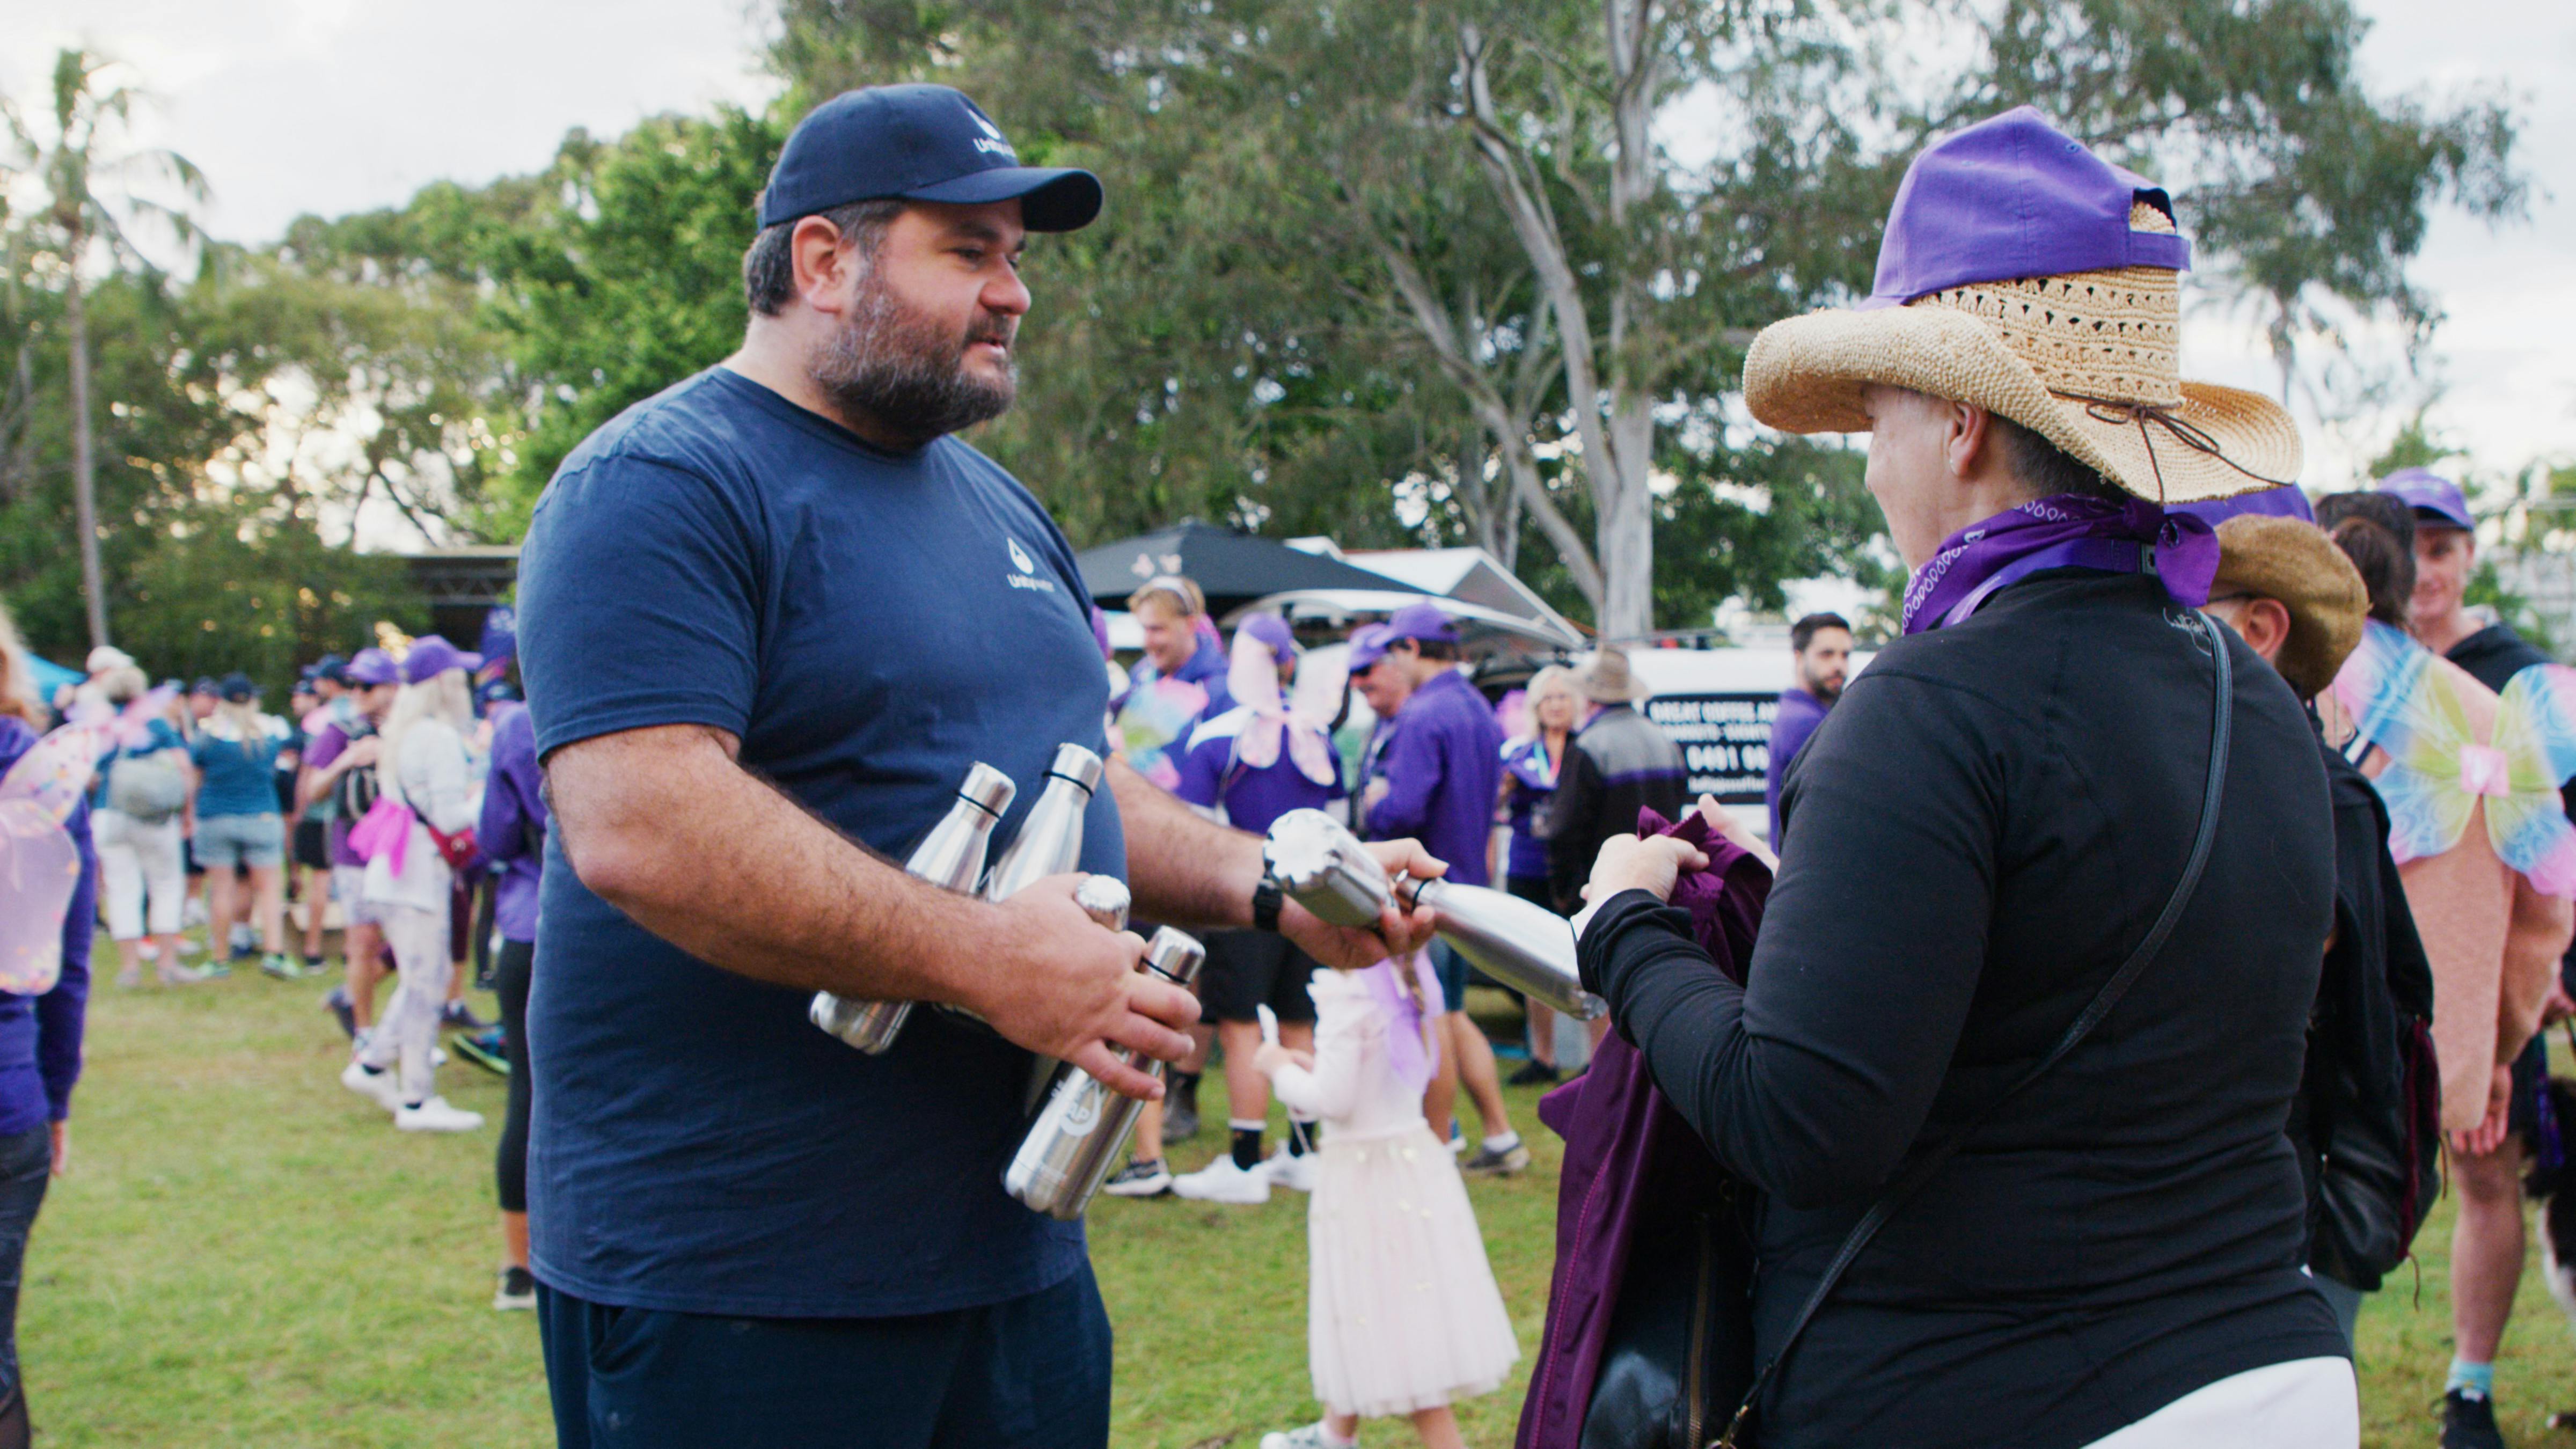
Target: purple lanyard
{"x": 2110, "y": 555}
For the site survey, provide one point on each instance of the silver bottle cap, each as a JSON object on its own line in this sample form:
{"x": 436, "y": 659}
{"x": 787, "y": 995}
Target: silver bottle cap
{"x": 1081, "y": 766}
{"x": 1174, "y": 956}
{"x": 987, "y": 789}
{"x": 1105, "y": 898}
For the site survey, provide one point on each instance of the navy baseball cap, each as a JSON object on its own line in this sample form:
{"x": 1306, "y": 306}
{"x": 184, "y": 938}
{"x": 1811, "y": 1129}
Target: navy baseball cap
{"x": 917, "y": 143}
{"x": 2435, "y": 499}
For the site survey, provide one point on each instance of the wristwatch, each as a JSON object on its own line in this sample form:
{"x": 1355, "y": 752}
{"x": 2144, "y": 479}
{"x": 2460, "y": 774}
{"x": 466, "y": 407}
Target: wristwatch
{"x": 1266, "y": 901}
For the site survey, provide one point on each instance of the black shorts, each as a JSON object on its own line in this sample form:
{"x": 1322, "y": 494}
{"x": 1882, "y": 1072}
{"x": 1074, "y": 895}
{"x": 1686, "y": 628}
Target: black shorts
{"x": 1246, "y": 969}
{"x": 313, "y": 844}
{"x": 2530, "y": 1075}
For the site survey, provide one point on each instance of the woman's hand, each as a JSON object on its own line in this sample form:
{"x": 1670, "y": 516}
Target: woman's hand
{"x": 1652, "y": 865}
{"x": 2488, "y": 1135}
{"x": 1732, "y": 829}
{"x": 62, "y": 1149}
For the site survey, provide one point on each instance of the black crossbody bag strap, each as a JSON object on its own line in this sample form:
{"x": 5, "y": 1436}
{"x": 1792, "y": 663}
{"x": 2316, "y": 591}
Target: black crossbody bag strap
{"x": 2102, "y": 1004}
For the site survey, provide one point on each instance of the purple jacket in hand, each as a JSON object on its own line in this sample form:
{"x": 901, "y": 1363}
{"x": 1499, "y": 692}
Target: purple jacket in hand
{"x": 1624, "y": 1147}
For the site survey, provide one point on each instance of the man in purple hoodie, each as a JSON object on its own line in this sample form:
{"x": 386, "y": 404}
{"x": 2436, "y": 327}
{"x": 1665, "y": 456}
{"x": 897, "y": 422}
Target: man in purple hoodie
{"x": 1821, "y": 645}
{"x": 1441, "y": 771}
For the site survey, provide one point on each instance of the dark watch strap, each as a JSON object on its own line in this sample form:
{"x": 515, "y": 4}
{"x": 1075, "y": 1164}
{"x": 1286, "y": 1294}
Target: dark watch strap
{"x": 1266, "y": 901}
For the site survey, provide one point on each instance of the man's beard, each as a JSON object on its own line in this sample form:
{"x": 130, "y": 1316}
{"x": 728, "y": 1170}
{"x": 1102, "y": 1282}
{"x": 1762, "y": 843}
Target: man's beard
{"x": 907, "y": 372}
{"x": 1825, "y": 690}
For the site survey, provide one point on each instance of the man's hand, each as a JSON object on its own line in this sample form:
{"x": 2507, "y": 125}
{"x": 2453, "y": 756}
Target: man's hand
{"x": 1652, "y": 865}
{"x": 1398, "y": 932}
{"x": 1378, "y": 789}
{"x": 1052, "y": 980}
{"x": 359, "y": 752}
{"x": 62, "y": 1149}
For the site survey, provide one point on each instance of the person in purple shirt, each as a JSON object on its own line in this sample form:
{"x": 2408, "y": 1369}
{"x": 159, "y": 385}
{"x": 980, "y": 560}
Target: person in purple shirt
{"x": 40, "y": 1048}
{"x": 512, "y": 833}
{"x": 340, "y": 769}
{"x": 1443, "y": 769}
{"x": 1822, "y": 645}
{"x": 1256, "y": 761}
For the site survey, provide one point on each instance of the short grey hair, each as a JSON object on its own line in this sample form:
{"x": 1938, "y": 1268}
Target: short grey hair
{"x": 769, "y": 267}
{"x": 2046, "y": 469}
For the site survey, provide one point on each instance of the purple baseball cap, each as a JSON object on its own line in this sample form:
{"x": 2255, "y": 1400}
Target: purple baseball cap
{"x": 2429, "y": 493}
{"x": 1273, "y": 631}
{"x": 2009, "y": 197}
{"x": 1368, "y": 646}
{"x": 2285, "y": 501}
{"x": 371, "y": 667}
{"x": 432, "y": 656}
{"x": 1420, "y": 621}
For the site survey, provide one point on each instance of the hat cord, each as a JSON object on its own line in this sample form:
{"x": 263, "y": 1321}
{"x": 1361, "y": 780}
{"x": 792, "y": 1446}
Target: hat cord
{"x": 2117, "y": 413}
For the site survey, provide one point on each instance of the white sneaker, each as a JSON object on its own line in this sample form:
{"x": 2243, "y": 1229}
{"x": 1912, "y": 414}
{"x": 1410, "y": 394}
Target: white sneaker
{"x": 1294, "y": 1171}
{"x": 1222, "y": 1181}
{"x": 377, "y": 1087}
{"x": 1312, "y": 1436}
{"x": 435, "y": 1115}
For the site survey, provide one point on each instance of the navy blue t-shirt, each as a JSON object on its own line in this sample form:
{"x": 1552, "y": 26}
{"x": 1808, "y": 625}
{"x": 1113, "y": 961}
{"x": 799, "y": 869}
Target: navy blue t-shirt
{"x": 870, "y": 625}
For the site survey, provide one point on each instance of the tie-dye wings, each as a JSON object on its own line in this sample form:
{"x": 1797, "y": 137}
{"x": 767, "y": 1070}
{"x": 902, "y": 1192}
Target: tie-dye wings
{"x": 39, "y": 864}
{"x": 1154, "y": 716}
{"x": 2402, "y": 703}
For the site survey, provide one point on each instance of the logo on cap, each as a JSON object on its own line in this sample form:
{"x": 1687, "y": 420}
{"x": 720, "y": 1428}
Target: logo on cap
{"x": 993, "y": 142}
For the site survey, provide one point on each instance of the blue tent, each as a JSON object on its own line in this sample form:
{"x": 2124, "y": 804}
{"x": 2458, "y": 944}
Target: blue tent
{"x": 51, "y": 676}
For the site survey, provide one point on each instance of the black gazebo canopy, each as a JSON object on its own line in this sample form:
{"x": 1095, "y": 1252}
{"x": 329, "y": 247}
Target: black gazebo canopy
{"x": 1231, "y": 568}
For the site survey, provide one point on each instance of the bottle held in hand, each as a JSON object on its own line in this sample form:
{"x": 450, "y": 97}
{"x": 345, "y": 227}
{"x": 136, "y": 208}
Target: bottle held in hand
{"x": 951, "y": 856}
{"x": 1519, "y": 943}
{"x": 1084, "y": 1126}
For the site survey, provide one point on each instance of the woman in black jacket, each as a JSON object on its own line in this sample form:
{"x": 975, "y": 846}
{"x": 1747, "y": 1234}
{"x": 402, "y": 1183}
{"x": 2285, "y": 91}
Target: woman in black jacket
{"x": 1986, "y": 828}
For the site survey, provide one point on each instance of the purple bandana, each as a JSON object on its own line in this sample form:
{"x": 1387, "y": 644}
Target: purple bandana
{"x": 2064, "y": 531}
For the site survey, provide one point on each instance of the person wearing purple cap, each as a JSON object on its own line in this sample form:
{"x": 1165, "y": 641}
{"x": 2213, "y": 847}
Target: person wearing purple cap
{"x": 1252, "y": 763}
{"x": 427, "y": 785}
{"x": 2009, "y": 861}
{"x": 811, "y": 1244}
{"x": 2488, "y": 1239}
{"x": 338, "y": 784}
{"x": 1438, "y": 776}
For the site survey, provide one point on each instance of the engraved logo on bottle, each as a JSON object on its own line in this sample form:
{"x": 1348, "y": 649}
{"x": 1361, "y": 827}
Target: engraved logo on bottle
{"x": 1082, "y": 1114}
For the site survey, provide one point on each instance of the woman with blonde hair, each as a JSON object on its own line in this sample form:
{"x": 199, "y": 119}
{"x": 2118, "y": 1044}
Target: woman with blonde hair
{"x": 40, "y": 1042}
{"x": 239, "y": 830}
{"x": 428, "y": 799}
{"x": 1530, "y": 766}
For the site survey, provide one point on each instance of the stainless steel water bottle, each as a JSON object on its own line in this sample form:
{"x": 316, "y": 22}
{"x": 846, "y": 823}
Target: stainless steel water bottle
{"x": 1050, "y": 840}
{"x": 1520, "y": 943}
{"x": 951, "y": 856}
{"x": 1084, "y": 1127}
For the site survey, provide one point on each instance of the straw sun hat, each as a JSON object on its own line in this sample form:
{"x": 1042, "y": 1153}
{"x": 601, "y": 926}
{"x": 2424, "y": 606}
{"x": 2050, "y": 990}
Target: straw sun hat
{"x": 2022, "y": 273}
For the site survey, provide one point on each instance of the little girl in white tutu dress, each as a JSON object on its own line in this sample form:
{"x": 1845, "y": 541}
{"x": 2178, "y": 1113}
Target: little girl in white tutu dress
{"x": 1402, "y": 1315}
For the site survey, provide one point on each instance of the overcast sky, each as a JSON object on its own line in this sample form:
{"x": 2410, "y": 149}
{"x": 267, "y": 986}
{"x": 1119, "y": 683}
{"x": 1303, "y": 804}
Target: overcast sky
{"x": 330, "y": 106}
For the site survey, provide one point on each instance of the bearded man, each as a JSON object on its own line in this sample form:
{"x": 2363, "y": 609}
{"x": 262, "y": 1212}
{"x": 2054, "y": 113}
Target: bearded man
{"x": 770, "y": 619}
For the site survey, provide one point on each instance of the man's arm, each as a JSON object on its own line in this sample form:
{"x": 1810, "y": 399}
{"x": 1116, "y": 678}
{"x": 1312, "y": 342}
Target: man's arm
{"x": 1414, "y": 767}
{"x": 665, "y": 825}
{"x": 1191, "y": 871}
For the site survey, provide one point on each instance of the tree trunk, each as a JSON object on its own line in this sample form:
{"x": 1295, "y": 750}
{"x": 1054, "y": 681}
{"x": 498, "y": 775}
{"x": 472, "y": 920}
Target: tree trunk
{"x": 84, "y": 458}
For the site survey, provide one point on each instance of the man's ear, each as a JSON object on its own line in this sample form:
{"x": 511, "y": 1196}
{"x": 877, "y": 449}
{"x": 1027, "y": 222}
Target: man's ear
{"x": 825, "y": 265}
{"x": 2265, "y": 623}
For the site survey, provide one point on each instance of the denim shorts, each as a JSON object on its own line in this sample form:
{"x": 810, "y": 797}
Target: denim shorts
{"x": 225, "y": 841}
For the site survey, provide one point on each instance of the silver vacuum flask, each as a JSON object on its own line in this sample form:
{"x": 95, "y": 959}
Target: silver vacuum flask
{"x": 1049, "y": 843}
{"x": 1519, "y": 943}
{"x": 1050, "y": 840}
{"x": 1084, "y": 1127}
{"x": 952, "y": 857}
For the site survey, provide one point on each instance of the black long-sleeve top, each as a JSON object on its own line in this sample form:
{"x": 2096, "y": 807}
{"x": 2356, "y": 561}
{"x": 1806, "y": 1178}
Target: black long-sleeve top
{"x": 1984, "y": 830}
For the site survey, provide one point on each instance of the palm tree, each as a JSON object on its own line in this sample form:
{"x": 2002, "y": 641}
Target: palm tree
{"x": 74, "y": 169}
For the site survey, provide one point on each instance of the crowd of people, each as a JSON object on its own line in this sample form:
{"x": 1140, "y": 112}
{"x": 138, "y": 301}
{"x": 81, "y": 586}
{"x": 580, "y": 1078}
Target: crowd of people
{"x": 2128, "y": 949}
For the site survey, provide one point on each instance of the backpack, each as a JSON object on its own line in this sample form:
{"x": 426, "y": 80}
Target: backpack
{"x": 147, "y": 789}
{"x": 356, "y": 792}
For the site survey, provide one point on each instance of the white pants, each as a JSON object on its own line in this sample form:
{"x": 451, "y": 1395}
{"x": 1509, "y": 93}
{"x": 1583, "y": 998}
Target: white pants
{"x": 407, "y": 1029}
{"x": 2308, "y": 1403}
{"x": 136, "y": 860}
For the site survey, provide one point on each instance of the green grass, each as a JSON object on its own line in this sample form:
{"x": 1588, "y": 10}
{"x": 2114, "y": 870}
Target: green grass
{"x": 246, "y": 1254}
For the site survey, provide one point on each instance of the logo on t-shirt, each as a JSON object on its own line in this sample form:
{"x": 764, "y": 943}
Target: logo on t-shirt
{"x": 1027, "y": 577}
